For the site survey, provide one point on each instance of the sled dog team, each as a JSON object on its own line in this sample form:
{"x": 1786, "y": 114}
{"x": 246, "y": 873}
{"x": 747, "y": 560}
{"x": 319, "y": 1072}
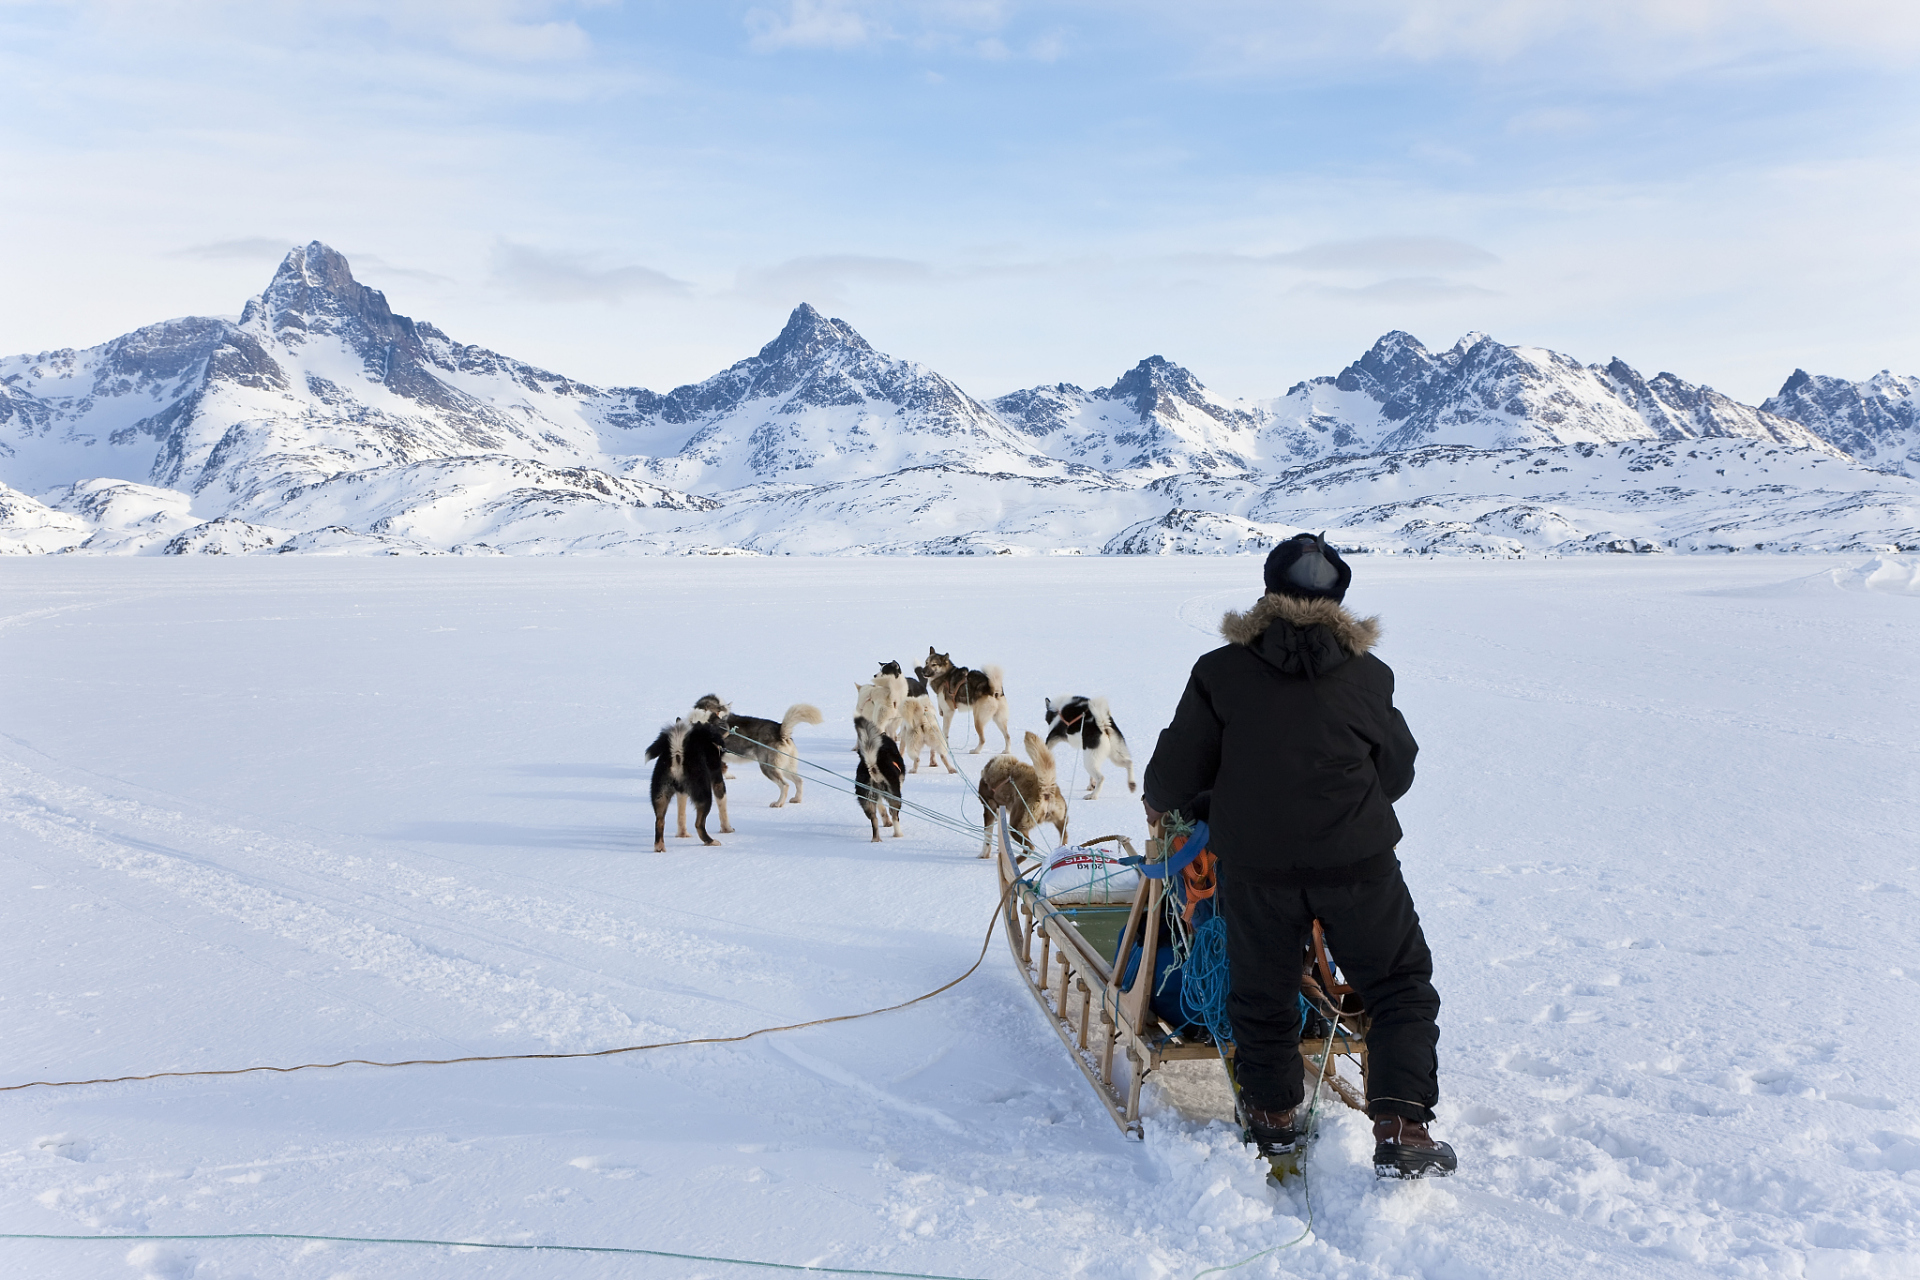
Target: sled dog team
{"x": 893, "y": 724}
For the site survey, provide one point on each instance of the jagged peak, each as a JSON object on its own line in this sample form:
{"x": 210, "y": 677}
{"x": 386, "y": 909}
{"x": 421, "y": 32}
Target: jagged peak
{"x": 1398, "y": 340}
{"x": 1465, "y": 346}
{"x": 316, "y": 265}
{"x": 809, "y": 335}
{"x": 1143, "y": 385}
{"x": 1395, "y": 362}
{"x": 314, "y": 280}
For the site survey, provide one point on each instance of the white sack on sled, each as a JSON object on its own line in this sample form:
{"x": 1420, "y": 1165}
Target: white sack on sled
{"x": 1086, "y": 877}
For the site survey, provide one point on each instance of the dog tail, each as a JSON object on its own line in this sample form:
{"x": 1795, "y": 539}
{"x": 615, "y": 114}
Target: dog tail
{"x": 867, "y": 739}
{"x": 996, "y": 681}
{"x": 671, "y": 742}
{"x": 1041, "y": 757}
{"x": 799, "y": 713}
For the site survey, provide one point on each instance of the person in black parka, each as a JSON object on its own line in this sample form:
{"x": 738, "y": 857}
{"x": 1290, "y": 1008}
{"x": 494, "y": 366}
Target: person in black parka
{"x": 1292, "y": 729}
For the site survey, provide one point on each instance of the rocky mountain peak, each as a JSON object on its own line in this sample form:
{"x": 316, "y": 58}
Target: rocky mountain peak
{"x": 314, "y": 292}
{"x": 1151, "y": 386}
{"x": 1876, "y": 421}
{"x": 809, "y": 336}
{"x": 1459, "y": 351}
{"x": 1392, "y": 372}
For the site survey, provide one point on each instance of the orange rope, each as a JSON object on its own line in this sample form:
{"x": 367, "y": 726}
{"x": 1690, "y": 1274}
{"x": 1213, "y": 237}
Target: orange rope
{"x": 1201, "y": 876}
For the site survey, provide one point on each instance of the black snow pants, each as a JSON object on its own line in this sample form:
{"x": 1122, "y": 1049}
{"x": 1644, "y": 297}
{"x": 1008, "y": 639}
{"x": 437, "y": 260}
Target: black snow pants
{"x": 1374, "y": 935}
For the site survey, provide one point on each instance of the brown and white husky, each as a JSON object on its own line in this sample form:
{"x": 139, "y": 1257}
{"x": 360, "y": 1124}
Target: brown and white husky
{"x": 1029, "y": 793}
{"x": 984, "y": 692}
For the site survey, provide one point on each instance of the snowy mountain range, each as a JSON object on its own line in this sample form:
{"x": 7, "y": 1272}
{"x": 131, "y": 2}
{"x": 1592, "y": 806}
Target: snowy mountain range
{"x": 322, "y": 422}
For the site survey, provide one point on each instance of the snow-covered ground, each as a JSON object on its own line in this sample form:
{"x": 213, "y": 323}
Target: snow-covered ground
{"x": 1666, "y": 841}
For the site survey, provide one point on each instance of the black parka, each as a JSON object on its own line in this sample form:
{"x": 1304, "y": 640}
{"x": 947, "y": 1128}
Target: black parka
{"x": 1292, "y": 727}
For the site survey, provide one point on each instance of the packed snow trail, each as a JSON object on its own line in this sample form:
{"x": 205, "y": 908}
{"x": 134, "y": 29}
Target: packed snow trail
{"x": 1663, "y": 840}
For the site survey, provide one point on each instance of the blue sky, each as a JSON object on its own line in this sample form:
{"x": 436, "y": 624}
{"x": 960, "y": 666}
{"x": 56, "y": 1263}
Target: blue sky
{"x": 1012, "y": 193}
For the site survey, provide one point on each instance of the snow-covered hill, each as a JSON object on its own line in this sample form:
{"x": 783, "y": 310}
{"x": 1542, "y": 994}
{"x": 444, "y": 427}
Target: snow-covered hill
{"x": 321, "y": 412}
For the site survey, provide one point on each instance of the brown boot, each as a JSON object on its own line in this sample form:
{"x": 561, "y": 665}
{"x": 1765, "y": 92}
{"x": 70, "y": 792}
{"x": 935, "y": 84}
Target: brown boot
{"x": 1403, "y": 1149}
{"x": 1280, "y": 1136}
{"x": 1279, "y": 1128}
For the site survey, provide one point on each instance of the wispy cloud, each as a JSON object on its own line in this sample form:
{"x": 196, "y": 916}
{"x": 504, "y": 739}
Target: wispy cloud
{"x": 982, "y": 29}
{"x": 241, "y": 249}
{"x": 1644, "y": 40}
{"x": 1370, "y": 255}
{"x": 825, "y": 277}
{"x": 1385, "y": 253}
{"x": 1478, "y": 30}
{"x": 1400, "y": 291}
{"x": 550, "y": 276}
{"x": 365, "y": 263}
{"x": 812, "y": 24}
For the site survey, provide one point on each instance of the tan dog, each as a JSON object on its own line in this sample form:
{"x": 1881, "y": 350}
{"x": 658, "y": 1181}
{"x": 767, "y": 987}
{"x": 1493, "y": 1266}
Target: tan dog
{"x": 920, "y": 728}
{"x": 1029, "y": 792}
{"x": 881, "y": 702}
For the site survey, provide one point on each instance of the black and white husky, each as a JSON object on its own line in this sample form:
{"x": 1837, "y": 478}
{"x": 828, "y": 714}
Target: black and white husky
{"x": 686, "y": 762}
{"x": 877, "y": 779}
{"x": 1087, "y": 723}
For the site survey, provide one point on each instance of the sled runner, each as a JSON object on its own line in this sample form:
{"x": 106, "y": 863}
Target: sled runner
{"x": 1095, "y": 960}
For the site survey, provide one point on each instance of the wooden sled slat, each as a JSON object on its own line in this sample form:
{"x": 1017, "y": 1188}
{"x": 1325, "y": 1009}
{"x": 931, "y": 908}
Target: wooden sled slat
{"x": 1116, "y": 1040}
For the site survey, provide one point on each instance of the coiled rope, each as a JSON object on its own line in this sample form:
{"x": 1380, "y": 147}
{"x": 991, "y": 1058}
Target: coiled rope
{"x": 1205, "y": 982}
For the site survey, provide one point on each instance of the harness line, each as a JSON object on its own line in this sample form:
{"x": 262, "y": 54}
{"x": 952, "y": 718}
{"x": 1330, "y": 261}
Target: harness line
{"x": 856, "y": 787}
{"x": 482, "y": 1244}
{"x": 1306, "y": 1187}
{"x": 985, "y": 943}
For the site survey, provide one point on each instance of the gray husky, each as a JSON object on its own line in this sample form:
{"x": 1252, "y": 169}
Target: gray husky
{"x": 767, "y": 743}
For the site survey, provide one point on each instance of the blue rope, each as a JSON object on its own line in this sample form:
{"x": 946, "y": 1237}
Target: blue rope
{"x": 1204, "y": 981}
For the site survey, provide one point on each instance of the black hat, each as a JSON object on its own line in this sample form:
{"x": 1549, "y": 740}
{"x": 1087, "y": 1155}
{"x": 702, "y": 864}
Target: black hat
{"x": 1304, "y": 565}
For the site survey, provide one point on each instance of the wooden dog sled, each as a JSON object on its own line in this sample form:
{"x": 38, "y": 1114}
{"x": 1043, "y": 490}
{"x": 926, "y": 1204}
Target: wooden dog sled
{"x": 1066, "y": 954}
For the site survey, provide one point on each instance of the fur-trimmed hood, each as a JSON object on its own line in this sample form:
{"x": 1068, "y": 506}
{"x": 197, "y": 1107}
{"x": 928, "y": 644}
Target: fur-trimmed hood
{"x": 1301, "y": 636}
